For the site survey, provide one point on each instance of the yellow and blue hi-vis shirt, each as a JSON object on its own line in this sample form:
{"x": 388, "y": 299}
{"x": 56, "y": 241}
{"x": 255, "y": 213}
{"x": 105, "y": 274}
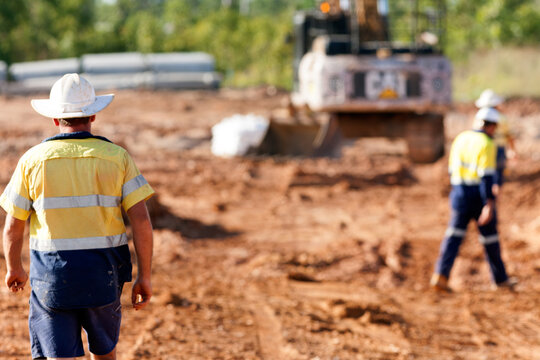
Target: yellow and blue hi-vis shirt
{"x": 73, "y": 187}
{"x": 502, "y": 133}
{"x": 472, "y": 165}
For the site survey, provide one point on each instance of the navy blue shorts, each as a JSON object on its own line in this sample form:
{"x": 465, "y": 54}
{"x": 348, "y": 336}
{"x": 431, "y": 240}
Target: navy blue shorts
{"x": 57, "y": 332}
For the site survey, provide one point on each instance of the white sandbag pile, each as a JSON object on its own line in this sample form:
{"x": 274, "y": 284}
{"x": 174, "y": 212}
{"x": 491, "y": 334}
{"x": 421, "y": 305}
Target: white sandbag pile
{"x": 236, "y": 135}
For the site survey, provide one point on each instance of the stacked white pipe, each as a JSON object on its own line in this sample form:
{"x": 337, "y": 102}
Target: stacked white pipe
{"x": 131, "y": 70}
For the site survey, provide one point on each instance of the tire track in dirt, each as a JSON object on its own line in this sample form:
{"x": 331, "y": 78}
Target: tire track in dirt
{"x": 145, "y": 335}
{"x": 520, "y": 334}
{"x": 271, "y": 341}
{"x": 478, "y": 334}
{"x": 373, "y": 317}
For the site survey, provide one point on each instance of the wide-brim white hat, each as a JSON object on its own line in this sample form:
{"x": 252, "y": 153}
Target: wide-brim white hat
{"x": 71, "y": 96}
{"x": 487, "y": 114}
{"x": 488, "y": 98}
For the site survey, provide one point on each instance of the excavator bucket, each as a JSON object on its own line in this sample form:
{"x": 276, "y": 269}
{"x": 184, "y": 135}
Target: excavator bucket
{"x": 311, "y": 134}
{"x": 301, "y": 135}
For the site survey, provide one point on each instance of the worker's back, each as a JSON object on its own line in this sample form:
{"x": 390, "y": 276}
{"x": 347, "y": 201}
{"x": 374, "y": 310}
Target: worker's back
{"x": 472, "y": 156}
{"x": 73, "y": 187}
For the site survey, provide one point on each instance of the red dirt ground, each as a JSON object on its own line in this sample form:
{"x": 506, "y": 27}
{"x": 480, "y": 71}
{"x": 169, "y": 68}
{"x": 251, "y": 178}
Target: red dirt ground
{"x": 282, "y": 258}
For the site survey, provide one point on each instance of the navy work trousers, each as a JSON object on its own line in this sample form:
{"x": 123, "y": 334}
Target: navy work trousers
{"x": 501, "y": 165}
{"x": 455, "y": 233}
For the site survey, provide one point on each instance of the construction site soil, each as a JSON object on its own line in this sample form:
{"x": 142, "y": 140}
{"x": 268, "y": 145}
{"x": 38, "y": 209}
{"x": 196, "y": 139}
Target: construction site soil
{"x": 281, "y": 258}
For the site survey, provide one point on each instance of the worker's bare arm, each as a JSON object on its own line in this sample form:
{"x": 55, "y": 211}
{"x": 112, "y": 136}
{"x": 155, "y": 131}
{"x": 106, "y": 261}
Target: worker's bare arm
{"x": 511, "y": 150}
{"x": 143, "y": 242}
{"x": 488, "y": 211}
{"x": 16, "y": 276}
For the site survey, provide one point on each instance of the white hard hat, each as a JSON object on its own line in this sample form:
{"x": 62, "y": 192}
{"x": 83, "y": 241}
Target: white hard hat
{"x": 488, "y": 98}
{"x": 486, "y": 114}
{"x": 71, "y": 96}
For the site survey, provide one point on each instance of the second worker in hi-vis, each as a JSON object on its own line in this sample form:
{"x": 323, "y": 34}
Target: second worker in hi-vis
{"x": 73, "y": 187}
{"x": 472, "y": 166}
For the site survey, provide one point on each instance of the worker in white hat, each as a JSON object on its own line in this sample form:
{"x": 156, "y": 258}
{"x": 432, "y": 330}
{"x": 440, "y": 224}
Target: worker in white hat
{"x": 73, "y": 186}
{"x": 472, "y": 170}
{"x": 504, "y": 139}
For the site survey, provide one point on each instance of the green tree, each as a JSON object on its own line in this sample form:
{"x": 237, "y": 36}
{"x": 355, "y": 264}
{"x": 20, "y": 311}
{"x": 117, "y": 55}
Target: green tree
{"x": 491, "y": 23}
{"x": 143, "y": 32}
{"x": 41, "y": 29}
{"x": 12, "y": 14}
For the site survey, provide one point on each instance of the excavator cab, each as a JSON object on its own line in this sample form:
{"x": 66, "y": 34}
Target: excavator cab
{"x": 366, "y": 68}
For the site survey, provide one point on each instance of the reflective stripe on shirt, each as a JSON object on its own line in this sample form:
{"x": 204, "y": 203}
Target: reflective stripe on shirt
{"x": 457, "y": 182}
{"x": 17, "y": 200}
{"x": 468, "y": 166}
{"x": 473, "y": 167}
{"x": 486, "y": 172}
{"x": 132, "y": 185}
{"x": 96, "y": 242}
{"x": 64, "y": 202}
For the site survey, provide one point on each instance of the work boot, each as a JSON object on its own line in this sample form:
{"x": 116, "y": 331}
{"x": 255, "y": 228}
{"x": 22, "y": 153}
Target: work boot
{"x": 509, "y": 283}
{"x": 440, "y": 283}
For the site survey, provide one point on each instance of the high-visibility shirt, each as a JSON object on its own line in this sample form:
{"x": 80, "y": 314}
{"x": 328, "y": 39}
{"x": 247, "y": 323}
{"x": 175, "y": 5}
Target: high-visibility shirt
{"x": 503, "y": 133}
{"x": 73, "y": 187}
{"x": 472, "y": 165}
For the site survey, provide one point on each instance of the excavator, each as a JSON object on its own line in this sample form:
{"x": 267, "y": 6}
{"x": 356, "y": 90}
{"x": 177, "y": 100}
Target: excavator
{"x": 366, "y": 68}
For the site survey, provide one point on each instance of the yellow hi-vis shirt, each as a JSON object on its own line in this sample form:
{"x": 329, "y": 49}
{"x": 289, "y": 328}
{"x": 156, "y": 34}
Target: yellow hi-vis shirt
{"x": 472, "y": 156}
{"x": 74, "y": 189}
{"x": 503, "y": 133}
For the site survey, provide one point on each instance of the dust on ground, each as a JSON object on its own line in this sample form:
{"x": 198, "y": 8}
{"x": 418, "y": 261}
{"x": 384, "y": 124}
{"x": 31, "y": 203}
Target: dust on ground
{"x": 286, "y": 258}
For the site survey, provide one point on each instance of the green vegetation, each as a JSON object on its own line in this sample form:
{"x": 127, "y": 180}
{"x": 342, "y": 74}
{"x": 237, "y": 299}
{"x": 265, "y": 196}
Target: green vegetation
{"x": 509, "y": 71}
{"x": 494, "y": 44}
{"x": 248, "y": 37}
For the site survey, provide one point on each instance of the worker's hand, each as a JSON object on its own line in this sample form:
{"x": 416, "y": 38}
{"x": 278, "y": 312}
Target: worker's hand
{"x": 496, "y": 189}
{"x": 141, "y": 293}
{"x": 16, "y": 279}
{"x": 488, "y": 211}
